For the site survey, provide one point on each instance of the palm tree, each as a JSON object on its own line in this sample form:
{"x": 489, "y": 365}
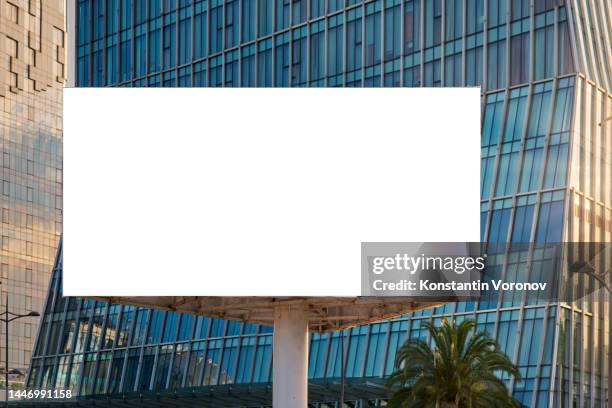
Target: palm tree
{"x": 459, "y": 371}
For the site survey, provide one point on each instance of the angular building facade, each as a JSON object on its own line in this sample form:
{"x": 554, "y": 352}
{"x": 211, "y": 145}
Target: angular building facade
{"x": 544, "y": 67}
{"x": 31, "y": 80}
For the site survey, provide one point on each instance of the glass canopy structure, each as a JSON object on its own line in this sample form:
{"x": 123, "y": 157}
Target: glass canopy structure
{"x": 544, "y": 68}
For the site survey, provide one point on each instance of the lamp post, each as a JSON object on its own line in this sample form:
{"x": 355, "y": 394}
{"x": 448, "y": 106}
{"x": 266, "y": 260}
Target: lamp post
{"x": 8, "y": 317}
{"x": 342, "y": 368}
{"x": 588, "y": 269}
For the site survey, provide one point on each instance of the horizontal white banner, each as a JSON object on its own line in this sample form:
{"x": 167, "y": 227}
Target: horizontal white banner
{"x": 259, "y": 192}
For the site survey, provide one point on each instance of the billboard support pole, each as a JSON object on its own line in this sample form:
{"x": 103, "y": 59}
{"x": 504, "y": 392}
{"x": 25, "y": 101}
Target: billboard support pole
{"x": 290, "y": 357}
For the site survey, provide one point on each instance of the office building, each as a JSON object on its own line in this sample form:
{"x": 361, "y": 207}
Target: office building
{"x": 544, "y": 67}
{"x": 31, "y": 81}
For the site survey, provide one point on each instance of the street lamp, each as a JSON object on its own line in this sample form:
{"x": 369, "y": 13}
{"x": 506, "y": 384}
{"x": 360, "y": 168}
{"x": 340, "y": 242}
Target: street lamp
{"x": 8, "y": 317}
{"x": 588, "y": 269}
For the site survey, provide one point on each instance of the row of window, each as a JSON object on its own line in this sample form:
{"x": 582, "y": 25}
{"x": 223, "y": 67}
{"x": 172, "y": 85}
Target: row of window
{"x": 91, "y": 327}
{"x": 592, "y": 152}
{"x": 364, "y": 41}
{"x": 593, "y": 36}
{"x": 99, "y": 18}
{"x": 38, "y": 167}
{"x": 525, "y": 139}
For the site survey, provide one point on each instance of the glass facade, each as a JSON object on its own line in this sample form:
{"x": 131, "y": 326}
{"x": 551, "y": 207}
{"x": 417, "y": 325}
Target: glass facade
{"x": 281, "y": 43}
{"x": 546, "y": 174}
{"x": 31, "y": 79}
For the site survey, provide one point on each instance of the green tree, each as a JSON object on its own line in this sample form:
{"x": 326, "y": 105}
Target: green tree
{"x": 458, "y": 370}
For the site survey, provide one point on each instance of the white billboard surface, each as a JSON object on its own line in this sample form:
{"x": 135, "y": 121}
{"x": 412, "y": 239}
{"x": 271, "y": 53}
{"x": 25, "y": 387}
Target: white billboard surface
{"x": 259, "y": 192}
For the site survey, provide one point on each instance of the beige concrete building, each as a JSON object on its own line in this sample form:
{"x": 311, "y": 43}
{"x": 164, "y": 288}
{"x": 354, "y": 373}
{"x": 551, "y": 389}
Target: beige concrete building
{"x": 32, "y": 73}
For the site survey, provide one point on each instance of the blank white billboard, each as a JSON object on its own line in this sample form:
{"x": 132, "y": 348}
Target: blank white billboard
{"x": 259, "y": 192}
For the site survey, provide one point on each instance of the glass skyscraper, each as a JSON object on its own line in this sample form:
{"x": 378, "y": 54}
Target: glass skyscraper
{"x": 545, "y": 70}
{"x": 31, "y": 79}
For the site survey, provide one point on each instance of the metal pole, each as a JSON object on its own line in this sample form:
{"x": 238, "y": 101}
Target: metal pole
{"x": 6, "y": 351}
{"x": 609, "y": 347}
{"x": 342, "y": 369}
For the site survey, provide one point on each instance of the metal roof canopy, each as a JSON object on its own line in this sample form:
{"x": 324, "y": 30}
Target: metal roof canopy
{"x": 226, "y": 396}
{"x": 325, "y": 314}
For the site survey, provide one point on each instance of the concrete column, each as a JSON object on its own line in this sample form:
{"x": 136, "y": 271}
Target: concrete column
{"x": 290, "y": 357}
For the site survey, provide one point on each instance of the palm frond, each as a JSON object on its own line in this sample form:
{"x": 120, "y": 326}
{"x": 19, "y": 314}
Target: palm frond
{"x": 458, "y": 369}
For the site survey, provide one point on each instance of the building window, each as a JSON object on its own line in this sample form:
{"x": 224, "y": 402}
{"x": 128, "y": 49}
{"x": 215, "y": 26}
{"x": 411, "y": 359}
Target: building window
{"x": 264, "y": 24}
{"x": 282, "y": 14}
{"x": 12, "y": 12}
{"x": 372, "y": 34}
{"x": 216, "y": 26}
{"x": 519, "y": 58}
{"x": 12, "y": 47}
